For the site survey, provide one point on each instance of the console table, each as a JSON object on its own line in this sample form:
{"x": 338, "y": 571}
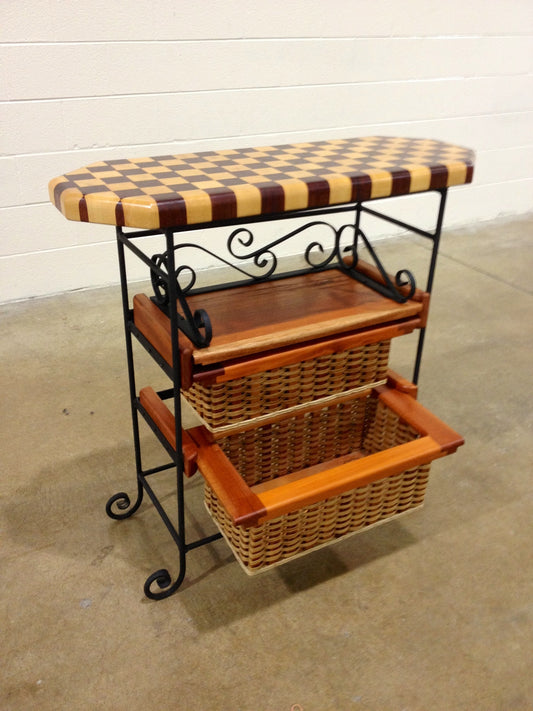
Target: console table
{"x": 304, "y": 434}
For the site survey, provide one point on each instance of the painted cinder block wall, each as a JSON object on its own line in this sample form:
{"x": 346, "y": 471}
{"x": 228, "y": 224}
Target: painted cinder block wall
{"x": 91, "y": 81}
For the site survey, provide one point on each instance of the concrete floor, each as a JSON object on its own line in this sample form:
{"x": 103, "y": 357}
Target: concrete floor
{"x": 432, "y": 611}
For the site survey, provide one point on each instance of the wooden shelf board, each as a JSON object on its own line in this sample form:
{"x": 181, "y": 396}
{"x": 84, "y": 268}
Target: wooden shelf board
{"x": 264, "y": 316}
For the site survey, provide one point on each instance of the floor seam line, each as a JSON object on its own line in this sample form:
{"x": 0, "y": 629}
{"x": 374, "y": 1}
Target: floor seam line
{"x": 442, "y": 254}
{"x": 487, "y": 274}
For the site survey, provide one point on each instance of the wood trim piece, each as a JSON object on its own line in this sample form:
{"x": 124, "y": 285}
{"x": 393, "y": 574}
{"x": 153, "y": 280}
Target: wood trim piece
{"x": 422, "y": 419}
{"x": 166, "y": 423}
{"x": 155, "y": 327}
{"x": 244, "y": 507}
{"x": 153, "y": 324}
{"x": 315, "y": 349}
{"x": 425, "y": 299}
{"x": 160, "y": 414}
{"x": 422, "y": 297}
{"x": 331, "y": 482}
{"x": 398, "y": 382}
{"x": 270, "y": 484}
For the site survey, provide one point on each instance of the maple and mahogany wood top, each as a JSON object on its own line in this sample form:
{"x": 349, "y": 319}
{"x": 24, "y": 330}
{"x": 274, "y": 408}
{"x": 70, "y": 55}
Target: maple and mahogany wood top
{"x": 273, "y": 315}
{"x": 201, "y": 188}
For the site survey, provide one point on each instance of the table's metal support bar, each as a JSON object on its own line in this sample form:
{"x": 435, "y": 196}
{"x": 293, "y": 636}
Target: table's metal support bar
{"x": 120, "y": 506}
{"x": 162, "y": 577}
{"x": 435, "y": 238}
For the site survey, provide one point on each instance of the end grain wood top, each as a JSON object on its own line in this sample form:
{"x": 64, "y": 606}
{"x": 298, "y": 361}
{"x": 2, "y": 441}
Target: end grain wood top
{"x": 197, "y": 188}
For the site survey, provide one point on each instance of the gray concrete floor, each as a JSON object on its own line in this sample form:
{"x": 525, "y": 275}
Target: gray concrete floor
{"x": 432, "y": 611}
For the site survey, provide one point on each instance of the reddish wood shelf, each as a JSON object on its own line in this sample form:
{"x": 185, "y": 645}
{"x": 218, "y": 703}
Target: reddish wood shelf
{"x": 320, "y": 313}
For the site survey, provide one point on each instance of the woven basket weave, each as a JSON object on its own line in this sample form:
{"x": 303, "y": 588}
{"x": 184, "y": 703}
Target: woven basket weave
{"x": 270, "y": 391}
{"x": 365, "y": 425}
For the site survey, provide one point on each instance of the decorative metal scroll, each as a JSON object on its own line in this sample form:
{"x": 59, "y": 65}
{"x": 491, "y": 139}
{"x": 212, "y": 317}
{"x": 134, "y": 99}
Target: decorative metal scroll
{"x": 255, "y": 263}
{"x": 196, "y": 326}
{"x": 400, "y": 290}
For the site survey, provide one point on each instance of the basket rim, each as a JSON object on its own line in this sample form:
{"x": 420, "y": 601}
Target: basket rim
{"x": 271, "y": 417}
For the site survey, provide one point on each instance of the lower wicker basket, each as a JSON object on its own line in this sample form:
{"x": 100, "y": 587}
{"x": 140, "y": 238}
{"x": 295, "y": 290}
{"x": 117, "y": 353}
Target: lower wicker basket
{"x": 344, "y": 432}
{"x": 261, "y": 547}
{"x": 283, "y": 486}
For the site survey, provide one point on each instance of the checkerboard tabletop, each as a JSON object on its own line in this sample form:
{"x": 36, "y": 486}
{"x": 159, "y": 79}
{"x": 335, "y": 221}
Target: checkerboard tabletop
{"x": 195, "y": 188}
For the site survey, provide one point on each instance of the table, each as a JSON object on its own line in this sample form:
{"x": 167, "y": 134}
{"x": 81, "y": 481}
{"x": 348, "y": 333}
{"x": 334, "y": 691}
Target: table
{"x": 266, "y": 318}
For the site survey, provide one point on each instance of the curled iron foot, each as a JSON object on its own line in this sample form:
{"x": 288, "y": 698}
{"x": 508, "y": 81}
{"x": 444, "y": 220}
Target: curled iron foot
{"x": 164, "y": 582}
{"x": 122, "y": 502}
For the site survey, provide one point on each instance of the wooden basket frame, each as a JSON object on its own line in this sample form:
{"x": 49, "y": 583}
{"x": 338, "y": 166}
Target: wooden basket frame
{"x": 397, "y": 462}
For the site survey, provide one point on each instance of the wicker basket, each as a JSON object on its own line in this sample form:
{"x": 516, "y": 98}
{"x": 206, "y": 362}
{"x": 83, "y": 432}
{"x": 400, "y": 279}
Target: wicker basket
{"x": 244, "y": 398}
{"x": 363, "y": 425}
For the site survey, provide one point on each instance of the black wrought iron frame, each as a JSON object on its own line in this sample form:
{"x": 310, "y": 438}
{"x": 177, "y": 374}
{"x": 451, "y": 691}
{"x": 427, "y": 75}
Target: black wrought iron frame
{"x": 169, "y": 292}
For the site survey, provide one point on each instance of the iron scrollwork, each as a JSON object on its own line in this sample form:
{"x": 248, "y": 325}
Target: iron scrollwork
{"x": 400, "y": 290}
{"x": 122, "y": 503}
{"x": 260, "y": 263}
{"x": 196, "y": 325}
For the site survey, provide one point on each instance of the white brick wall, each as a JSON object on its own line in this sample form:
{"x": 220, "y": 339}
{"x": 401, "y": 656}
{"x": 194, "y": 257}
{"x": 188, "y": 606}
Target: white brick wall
{"x": 87, "y": 81}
